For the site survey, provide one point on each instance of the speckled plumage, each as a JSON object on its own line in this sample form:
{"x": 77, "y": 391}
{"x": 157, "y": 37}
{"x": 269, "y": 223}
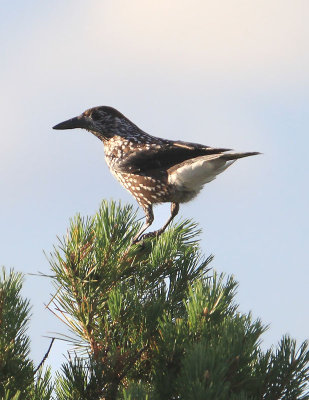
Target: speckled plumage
{"x": 154, "y": 170}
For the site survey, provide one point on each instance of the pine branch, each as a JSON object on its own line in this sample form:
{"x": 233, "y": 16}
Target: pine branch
{"x": 155, "y": 324}
{"x": 17, "y": 373}
{"x": 45, "y": 356}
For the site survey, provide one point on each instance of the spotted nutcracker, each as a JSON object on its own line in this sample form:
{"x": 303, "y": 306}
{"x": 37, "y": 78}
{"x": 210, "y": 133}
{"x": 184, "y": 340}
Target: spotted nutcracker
{"x": 154, "y": 170}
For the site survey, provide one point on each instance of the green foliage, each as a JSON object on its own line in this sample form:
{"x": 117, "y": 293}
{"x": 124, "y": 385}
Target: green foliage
{"x": 149, "y": 321}
{"x": 16, "y": 371}
{"x": 18, "y": 380}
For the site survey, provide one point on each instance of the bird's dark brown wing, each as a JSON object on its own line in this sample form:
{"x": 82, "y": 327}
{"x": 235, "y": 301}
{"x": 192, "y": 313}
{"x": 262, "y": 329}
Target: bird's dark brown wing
{"x": 166, "y": 156}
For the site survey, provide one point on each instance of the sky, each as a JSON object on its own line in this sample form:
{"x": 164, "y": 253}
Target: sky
{"x": 229, "y": 73}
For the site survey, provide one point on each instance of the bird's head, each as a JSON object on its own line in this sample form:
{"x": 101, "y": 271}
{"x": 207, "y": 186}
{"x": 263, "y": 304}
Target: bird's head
{"x": 102, "y": 121}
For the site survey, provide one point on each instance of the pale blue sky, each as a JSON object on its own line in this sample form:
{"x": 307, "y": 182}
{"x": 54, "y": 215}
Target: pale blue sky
{"x": 226, "y": 73}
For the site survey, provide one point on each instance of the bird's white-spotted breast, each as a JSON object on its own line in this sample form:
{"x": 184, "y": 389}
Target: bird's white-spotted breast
{"x": 148, "y": 188}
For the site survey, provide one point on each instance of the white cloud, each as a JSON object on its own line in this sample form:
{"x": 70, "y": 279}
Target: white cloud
{"x": 264, "y": 40}
{"x": 144, "y": 53}
{"x": 257, "y": 38}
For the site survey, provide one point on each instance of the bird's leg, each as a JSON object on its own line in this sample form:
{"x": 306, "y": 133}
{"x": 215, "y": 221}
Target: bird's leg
{"x": 148, "y": 222}
{"x": 174, "y": 212}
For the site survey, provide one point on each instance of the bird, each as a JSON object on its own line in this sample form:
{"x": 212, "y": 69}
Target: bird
{"x": 154, "y": 170}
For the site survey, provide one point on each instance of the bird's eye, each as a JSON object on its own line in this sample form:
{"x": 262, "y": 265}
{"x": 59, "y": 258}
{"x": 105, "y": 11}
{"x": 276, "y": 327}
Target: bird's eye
{"x": 95, "y": 116}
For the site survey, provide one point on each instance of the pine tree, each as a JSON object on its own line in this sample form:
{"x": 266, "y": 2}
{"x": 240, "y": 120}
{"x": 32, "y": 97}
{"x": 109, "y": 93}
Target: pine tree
{"x": 152, "y": 321}
{"x": 19, "y": 379}
{"x": 148, "y": 321}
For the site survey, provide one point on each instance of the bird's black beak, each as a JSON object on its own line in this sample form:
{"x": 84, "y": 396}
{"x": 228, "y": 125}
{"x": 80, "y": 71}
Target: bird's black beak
{"x": 77, "y": 122}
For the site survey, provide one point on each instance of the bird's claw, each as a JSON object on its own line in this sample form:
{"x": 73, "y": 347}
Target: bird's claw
{"x": 141, "y": 239}
{"x": 150, "y": 234}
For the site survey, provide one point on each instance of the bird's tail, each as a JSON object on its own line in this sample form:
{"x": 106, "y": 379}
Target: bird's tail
{"x": 235, "y": 156}
{"x": 192, "y": 174}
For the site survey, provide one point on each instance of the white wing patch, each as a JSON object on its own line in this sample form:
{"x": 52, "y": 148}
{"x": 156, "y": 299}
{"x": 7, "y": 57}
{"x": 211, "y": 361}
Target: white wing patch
{"x": 193, "y": 175}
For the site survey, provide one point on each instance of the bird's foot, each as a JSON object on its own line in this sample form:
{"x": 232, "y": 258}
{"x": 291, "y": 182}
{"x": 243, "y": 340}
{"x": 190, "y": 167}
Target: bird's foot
{"x": 136, "y": 241}
{"x": 149, "y": 235}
